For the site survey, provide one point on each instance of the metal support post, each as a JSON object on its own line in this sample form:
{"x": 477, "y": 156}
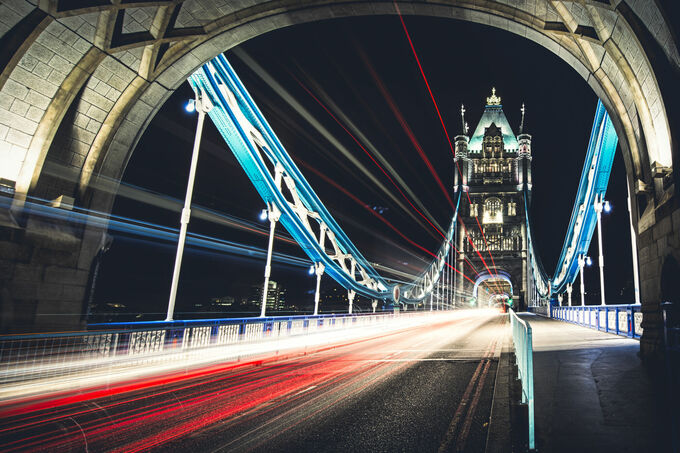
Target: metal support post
{"x": 202, "y": 105}
{"x": 273, "y": 214}
{"x": 350, "y": 295}
{"x": 599, "y": 203}
{"x": 569, "y": 290}
{"x": 633, "y": 243}
{"x": 581, "y": 263}
{"x": 318, "y": 270}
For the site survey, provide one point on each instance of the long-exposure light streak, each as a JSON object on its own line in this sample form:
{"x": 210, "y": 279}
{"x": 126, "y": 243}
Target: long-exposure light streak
{"x": 306, "y": 115}
{"x": 405, "y": 126}
{"x": 146, "y": 229}
{"x": 151, "y": 198}
{"x": 384, "y": 161}
{"x": 170, "y": 406}
{"x": 347, "y": 219}
{"x": 441, "y": 120}
{"x": 385, "y": 221}
{"x": 393, "y": 183}
{"x": 427, "y": 84}
{"x": 371, "y": 157}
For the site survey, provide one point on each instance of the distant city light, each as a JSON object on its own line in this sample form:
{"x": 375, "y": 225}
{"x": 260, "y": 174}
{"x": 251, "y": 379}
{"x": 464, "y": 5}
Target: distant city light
{"x": 190, "y": 106}
{"x": 263, "y": 215}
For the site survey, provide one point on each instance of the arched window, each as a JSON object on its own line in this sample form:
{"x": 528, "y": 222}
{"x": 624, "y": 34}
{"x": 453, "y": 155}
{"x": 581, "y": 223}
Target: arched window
{"x": 493, "y": 210}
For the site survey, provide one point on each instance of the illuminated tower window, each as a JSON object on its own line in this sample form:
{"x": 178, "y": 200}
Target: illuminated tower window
{"x": 493, "y": 211}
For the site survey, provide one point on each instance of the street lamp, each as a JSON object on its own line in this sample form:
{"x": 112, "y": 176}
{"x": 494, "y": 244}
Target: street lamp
{"x": 202, "y": 105}
{"x": 600, "y": 205}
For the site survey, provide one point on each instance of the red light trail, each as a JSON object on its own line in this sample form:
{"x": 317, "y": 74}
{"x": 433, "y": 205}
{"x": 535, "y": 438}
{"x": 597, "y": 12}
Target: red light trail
{"x": 392, "y": 181}
{"x": 441, "y": 121}
{"x": 382, "y": 219}
{"x": 404, "y": 125}
{"x": 369, "y": 155}
{"x": 299, "y": 385}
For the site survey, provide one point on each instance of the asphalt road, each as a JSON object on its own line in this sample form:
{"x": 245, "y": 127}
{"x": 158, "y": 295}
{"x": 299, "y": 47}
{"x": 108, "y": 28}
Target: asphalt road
{"x": 417, "y": 389}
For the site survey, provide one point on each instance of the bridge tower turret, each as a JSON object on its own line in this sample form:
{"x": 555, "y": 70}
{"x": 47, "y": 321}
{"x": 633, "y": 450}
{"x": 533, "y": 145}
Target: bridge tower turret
{"x": 524, "y": 157}
{"x": 496, "y": 169}
{"x": 461, "y": 161}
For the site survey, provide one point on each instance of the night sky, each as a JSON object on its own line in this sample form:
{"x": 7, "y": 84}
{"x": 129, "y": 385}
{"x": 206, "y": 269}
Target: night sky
{"x": 331, "y": 59}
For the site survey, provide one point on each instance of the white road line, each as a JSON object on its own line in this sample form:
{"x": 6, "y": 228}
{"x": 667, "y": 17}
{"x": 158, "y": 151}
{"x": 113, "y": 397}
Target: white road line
{"x": 307, "y": 389}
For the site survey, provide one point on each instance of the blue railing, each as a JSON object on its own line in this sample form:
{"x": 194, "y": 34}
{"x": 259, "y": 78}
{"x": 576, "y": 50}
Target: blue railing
{"x": 524, "y": 354}
{"x": 25, "y": 357}
{"x": 625, "y": 320}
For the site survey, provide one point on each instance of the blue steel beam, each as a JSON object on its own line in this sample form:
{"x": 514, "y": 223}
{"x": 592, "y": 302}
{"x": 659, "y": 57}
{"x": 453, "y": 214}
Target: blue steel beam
{"x": 281, "y": 184}
{"x": 593, "y": 183}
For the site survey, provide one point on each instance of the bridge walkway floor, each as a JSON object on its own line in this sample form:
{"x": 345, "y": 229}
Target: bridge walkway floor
{"x": 592, "y": 392}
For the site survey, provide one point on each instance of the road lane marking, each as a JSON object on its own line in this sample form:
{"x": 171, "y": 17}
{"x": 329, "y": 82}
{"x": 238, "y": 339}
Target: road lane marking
{"x": 307, "y": 389}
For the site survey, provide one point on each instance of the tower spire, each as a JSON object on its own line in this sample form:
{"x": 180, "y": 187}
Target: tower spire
{"x": 462, "y": 118}
{"x": 521, "y": 125}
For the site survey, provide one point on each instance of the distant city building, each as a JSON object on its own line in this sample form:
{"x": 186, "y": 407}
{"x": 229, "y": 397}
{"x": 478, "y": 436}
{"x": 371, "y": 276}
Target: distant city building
{"x": 333, "y": 299}
{"x": 276, "y": 295}
{"x": 223, "y": 302}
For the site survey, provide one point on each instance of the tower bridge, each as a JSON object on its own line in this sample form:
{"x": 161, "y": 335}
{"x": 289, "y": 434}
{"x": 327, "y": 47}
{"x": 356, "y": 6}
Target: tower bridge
{"x": 79, "y": 84}
{"x": 495, "y": 174}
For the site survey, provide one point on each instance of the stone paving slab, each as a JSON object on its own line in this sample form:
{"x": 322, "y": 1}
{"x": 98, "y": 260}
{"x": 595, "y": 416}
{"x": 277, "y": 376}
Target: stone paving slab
{"x": 593, "y": 393}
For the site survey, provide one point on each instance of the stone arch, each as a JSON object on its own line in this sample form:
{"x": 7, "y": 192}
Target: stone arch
{"x": 497, "y": 274}
{"x": 115, "y": 64}
{"x": 597, "y": 40}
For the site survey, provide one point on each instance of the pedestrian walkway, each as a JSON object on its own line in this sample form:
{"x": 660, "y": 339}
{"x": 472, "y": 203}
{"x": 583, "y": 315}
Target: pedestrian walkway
{"x": 592, "y": 392}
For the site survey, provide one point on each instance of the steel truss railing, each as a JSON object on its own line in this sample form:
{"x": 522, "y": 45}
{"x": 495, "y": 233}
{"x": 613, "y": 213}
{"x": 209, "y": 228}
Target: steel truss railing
{"x": 281, "y": 185}
{"x": 593, "y": 184}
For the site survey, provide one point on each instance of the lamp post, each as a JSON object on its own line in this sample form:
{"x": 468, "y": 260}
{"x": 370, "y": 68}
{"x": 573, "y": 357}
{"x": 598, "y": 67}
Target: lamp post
{"x": 202, "y": 105}
{"x": 582, "y": 259}
{"x": 273, "y": 214}
{"x": 600, "y": 205}
{"x": 350, "y": 295}
{"x": 318, "y": 270}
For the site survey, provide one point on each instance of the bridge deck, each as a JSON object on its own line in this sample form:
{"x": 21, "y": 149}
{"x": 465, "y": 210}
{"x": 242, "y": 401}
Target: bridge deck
{"x": 592, "y": 392}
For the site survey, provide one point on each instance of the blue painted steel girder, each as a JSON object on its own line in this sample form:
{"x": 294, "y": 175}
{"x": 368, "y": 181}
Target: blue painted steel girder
{"x": 261, "y": 154}
{"x": 593, "y": 184}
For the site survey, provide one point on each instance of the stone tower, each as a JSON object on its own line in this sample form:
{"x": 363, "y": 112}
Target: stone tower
{"x": 494, "y": 173}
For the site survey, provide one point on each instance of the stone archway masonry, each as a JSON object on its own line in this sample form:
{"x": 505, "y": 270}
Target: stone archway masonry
{"x": 80, "y": 83}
